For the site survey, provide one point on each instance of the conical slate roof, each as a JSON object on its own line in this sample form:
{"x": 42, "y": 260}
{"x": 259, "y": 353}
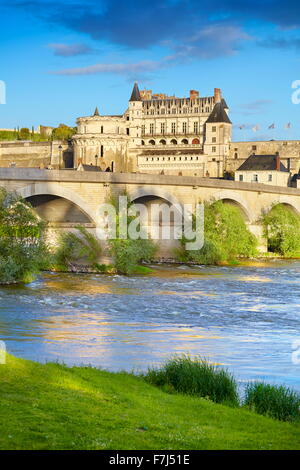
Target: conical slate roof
{"x": 96, "y": 113}
{"x": 135, "y": 95}
{"x": 218, "y": 114}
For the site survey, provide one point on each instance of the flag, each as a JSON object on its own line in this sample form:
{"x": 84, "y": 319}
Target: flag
{"x": 256, "y": 128}
{"x": 288, "y": 125}
{"x": 272, "y": 126}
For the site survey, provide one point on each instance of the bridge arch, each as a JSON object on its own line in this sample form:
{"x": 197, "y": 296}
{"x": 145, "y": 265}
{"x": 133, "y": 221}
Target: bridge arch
{"x": 236, "y": 200}
{"x": 156, "y": 193}
{"x": 286, "y": 201}
{"x": 54, "y": 189}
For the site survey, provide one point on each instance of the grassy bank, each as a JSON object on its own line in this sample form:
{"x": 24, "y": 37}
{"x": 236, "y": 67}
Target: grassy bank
{"x": 55, "y": 407}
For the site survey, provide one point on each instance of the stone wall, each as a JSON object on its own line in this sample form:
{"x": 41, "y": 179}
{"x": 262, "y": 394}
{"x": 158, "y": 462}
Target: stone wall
{"x": 289, "y": 151}
{"x": 26, "y": 154}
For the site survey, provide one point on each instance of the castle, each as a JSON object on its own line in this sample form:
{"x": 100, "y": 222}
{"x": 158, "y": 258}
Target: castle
{"x": 160, "y": 134}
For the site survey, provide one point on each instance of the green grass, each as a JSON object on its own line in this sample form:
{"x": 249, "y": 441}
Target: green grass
{"x": 273, "y": 400}
{"x": 55, "y": 407}
{"x": 193, "y": 376}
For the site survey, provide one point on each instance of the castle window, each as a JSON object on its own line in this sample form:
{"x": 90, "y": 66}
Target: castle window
{"x": 101, "y": 129}
{"x": 214, "y": 140}
{"x": 184, "y": 141}
{"x": 162, "y": 128}
{"x": 255, "y": 178}
{"x": 162, "y": 142}
{"x": 174, "y": 111}
{"x": 184, "y": 126}
{"x": 185, "y": 110}
{"x": 269, "y": 177}
{"x": 196, "y": 127}
{"x": 162, "y": 111}
{"x": 101, "y": 151}
{"x": 152, "y": 142}
{"x": 196, "y": 110}
{"x": 207, "y": 109}
{"x": 241, "y": 178}
{"x": 174, "y": 141}
{"x": 254, "y": 147}
{"x": 185, "y": 158}
{"x": 214, "y": 149}
{"x": 195, "y": 141}
{"x": 173, "y": 128}
{"x": 152, "y": 129}
{"x": 143, "y": 142}
{"x": 214, "y": 129}
{"x": 143, "y": 129}
{"x": 236, "y": 155}
{"x": 127, "y": 130}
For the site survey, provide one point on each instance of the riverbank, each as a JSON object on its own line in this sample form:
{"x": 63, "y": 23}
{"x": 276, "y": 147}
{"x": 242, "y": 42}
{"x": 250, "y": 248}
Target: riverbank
{"x": 55, "y": 407}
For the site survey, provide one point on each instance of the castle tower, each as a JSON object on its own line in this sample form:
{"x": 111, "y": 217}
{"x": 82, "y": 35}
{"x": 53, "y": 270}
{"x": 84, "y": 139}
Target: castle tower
{"x": 135, "y": 116}
{"x": 218, "y": 134}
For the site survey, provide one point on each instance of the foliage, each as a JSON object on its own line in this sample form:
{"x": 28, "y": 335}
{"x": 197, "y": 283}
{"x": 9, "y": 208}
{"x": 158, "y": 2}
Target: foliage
{"x": 77, "y": 247}
{"x": 24, "y": 133}
{"x": 275, "y": 401}
{"x": 195, "y": 377}
{"x": 22, "y": 250}
{"x": 226, "y": 236}
{"x": 16, "y": 135}
{"x": 51, "y": 406}
{"x": 128, "y": 253}
{"x": 282, "y": 230}
{"x": 63, "y": 132}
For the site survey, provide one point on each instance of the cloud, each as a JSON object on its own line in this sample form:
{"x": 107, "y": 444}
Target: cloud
{"x": 254, "y": 107}
{"x": 70, "y": 50}
{"x": 280, "y": 43}
{"x": 135, "y": 70}
{"x": 186, "y": 29}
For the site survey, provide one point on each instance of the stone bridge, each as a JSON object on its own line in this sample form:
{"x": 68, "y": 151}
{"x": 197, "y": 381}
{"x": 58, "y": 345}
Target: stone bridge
{"x": 67, "y": 197}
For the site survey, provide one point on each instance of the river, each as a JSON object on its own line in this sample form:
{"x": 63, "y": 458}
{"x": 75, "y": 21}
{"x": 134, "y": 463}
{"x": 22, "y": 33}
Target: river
{"x": 245, "y": 318}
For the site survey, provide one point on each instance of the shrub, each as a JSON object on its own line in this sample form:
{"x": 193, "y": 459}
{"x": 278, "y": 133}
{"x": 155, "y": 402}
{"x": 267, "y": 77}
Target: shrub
{"x": 277, "y": 402}
{"x": 282, "y": 230}
{"x": 82, "y": 246}
{"x": 226, "y": 236}
{"x": 195, "y": 377}
{"x": 128, "y": 254}
{"x": 23, "y": 253}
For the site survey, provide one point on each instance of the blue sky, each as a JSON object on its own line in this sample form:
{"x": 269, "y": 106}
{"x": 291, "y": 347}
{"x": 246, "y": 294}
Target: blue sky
{"x": 61, "y": 59}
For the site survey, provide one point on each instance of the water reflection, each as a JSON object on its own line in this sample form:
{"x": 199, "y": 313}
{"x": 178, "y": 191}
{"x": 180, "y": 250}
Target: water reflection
{"x": 244, "y": 317}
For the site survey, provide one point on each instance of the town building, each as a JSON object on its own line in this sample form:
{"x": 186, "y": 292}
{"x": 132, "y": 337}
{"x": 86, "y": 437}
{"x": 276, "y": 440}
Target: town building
{"x": 265, "y": 169}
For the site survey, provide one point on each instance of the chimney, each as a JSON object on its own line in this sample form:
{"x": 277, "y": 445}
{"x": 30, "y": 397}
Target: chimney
{"x": 277, "y": 162}
{"x": 194, "y": 94}
{"x": 217, "y": 94}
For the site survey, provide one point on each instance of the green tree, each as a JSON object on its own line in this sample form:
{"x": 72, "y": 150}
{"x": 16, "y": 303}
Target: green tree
{"x": 24, "y": 133}
{"x": 226, "y": 236}
{"x": 63, "y": 132}
{"x": 22, "y": 250}
{"x": 282, "y": 230}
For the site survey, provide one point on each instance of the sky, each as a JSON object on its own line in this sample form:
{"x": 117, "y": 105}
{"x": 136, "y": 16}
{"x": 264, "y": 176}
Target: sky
{"x": 59, "y": 60}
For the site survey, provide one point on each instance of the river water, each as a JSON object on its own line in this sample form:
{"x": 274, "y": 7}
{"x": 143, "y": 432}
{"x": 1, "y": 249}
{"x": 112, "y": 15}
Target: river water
{"x": 245, "y": 318}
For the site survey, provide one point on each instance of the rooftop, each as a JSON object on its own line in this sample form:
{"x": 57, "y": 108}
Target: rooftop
{"x": 262, "y": 163}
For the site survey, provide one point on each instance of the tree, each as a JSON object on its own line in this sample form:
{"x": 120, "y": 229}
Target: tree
{"x": 226, "y": 236}
{"x": 24, "y": 133}
{"x": 282, "y": 230}
{"x": 22, "y": 250}
{"x": 63, "y": 132}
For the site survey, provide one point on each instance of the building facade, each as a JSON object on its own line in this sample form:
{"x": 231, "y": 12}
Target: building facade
{"x": 158, "y": 134}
